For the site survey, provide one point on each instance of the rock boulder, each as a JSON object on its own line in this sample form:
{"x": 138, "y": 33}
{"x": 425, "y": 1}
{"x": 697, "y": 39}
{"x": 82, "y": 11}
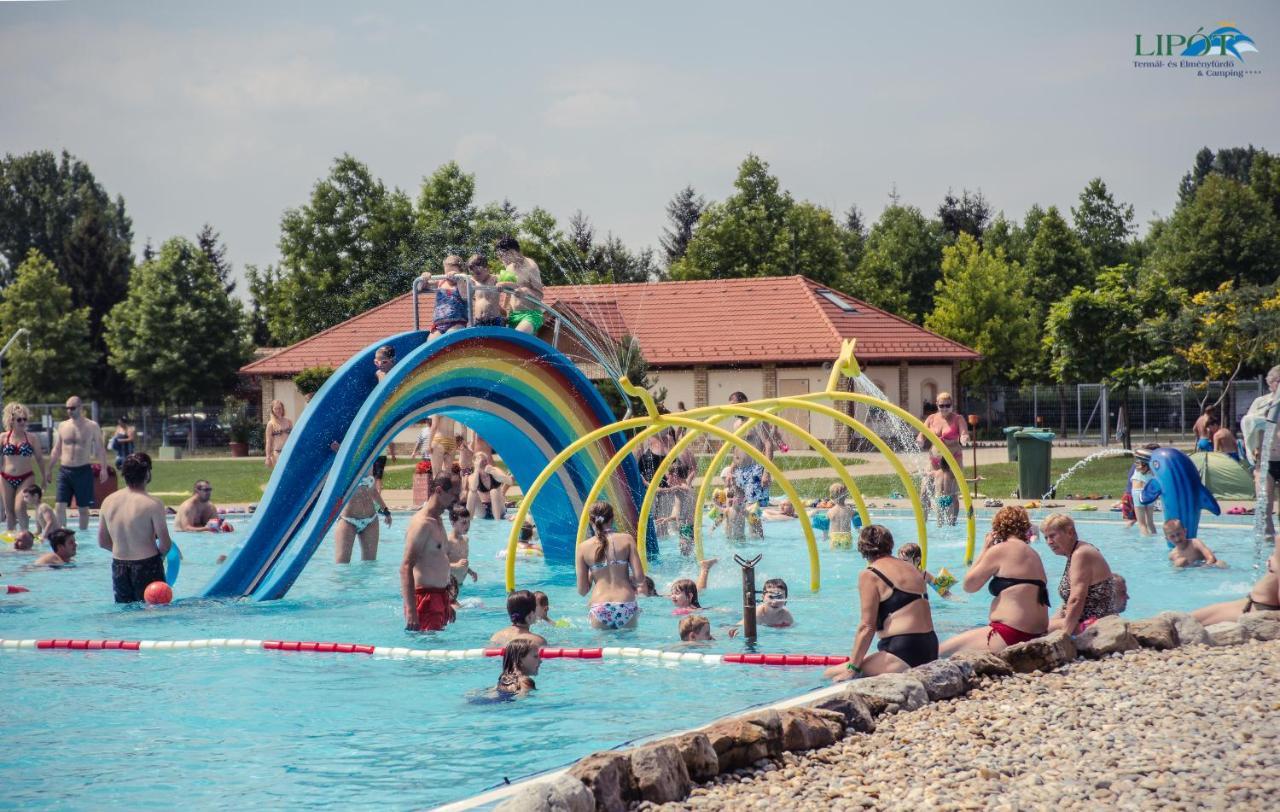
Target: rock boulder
{"x": 607, "y": 775}
{"x": 890, "y": 693}
{"x": 564, "y": 793}
{"x": 1042, "y": 654}
{"x": 982, "y": 664}
{"x": 700, "y": 759}
{"x": 853, "y": 707}
{"x": 1227, "y": 633}
{"x": 809, "y": 728}
{"x": 1261, "y": 625}
{"x": 1156, "y": 632}
{"x": 942, "y": 679}
{"x": 1109, "y": 635}
{"x": 659, "y": 773}
{"x": 1187, "y": 629}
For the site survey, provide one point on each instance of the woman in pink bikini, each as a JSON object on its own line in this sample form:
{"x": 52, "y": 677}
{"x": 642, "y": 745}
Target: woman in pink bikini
{"x": 953, "y": 432}
{"x": 19, "y": 457}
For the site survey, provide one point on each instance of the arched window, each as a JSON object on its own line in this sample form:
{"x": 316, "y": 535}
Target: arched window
{"x": 929, "y": 391}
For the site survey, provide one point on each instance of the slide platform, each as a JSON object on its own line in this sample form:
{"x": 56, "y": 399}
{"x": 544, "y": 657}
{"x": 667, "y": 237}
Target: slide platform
{"x": 525, "y": 398}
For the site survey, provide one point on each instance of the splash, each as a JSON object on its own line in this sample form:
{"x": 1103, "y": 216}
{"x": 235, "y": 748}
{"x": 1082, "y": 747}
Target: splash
{"x": 1261, "y": 508}
{"x": 1097, "y": 455}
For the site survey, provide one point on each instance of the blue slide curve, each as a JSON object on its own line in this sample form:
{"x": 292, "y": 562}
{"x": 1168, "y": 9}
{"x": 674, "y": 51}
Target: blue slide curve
{"x": 525, "y": 398}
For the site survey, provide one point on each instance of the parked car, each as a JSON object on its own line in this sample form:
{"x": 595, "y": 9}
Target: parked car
{"x": 209, "y": 432}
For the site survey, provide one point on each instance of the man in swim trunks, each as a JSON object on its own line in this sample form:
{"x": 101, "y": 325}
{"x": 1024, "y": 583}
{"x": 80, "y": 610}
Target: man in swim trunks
{"x": 424, "y": 572}
{"x": 526, "y": 315}
{"x": 195, "y": 514}
{"x": 486, "y": 299}
{"x": 1204, "y": 435}
{"x": 76, "y": 442}
{"x": 132, "y": 527}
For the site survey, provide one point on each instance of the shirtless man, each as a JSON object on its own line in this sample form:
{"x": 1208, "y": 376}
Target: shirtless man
{"x": 459, "y": 546}
{"x": 133, "y": 528}
{"x": 424, "y": 573}
{"x": 195, "y": 514}
{"x": 63, "y": 542}
{"x": 526, "y": 316}
{"x": 486, "y": 299}
{"x": 77, "y": 441}
{"x": 1188, "y": 552}
{"x": 1224, "y": 441}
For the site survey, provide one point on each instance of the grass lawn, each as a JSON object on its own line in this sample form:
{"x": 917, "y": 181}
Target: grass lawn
{"x": 237, "y": 481}
{"x": 1101, "y": 477}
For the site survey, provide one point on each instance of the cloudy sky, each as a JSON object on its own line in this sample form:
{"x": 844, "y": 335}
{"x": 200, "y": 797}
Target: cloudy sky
{"x": 229, "y": 112}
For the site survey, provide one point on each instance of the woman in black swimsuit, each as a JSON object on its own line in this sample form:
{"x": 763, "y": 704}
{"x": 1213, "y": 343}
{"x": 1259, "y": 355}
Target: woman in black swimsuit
{"x": 1264, "y": 597}
{"x": 1014, "y": 574}
{"x": 486, "y": 491}
{"x": 894, "y": 606}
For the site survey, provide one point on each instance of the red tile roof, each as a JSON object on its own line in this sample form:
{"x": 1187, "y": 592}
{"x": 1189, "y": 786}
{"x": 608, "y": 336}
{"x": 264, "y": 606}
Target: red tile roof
{"x": 787, "y": 319}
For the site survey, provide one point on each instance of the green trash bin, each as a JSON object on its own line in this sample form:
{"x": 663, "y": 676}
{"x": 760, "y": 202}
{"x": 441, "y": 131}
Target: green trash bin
{"x": 1011, "y": 442}
{"x": 1035, "y": 454}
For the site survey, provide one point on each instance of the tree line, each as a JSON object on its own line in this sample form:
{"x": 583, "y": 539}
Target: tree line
{"x": 1049, "y": 296}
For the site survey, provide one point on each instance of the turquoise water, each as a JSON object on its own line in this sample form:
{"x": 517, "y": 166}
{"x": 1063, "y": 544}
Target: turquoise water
{"x": 225, "y": 728}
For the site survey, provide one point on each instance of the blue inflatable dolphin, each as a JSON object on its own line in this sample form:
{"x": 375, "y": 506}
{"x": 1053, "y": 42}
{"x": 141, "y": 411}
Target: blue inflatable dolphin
{"x": 1177, "y": 482}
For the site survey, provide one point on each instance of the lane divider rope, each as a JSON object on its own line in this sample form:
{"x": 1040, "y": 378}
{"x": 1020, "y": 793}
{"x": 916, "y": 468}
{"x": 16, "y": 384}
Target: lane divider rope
{"x": 403, "y": 652}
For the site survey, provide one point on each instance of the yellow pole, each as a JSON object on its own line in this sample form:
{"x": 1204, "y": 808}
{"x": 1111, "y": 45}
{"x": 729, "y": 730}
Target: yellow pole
{"x": 756, "y": 416}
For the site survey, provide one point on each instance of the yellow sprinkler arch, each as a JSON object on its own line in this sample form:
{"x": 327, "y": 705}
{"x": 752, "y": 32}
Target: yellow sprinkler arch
{"x": 815, "y": 568}
{"x": 721, "y": 412}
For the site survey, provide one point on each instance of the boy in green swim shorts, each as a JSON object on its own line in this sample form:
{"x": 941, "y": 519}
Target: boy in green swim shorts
{"x": 526, "y": 315}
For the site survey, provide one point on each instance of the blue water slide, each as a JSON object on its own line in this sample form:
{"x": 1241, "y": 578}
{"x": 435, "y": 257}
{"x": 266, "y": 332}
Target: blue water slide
{"x": 455, "y": 376}
{"x": 302, "y": 469}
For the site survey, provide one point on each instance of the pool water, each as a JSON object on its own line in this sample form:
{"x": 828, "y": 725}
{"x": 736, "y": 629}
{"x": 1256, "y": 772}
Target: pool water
{"x": 226, "y": 728}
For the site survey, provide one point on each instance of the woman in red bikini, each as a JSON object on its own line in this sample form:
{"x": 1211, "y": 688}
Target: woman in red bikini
{"x": 1014, "y": 574}
{"x": 19, "y": 457}
{"x": 954, "y": 433}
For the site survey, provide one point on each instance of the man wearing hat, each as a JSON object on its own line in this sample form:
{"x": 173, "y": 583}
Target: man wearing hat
{"x": 1146, "y": 514}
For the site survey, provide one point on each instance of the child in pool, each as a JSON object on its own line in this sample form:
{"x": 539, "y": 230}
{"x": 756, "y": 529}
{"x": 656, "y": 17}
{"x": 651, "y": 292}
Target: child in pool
{"x": 647, "y": 588}
{"x": 1185, "y": 552}
{"x": 840, "y": 518}
{"x": 528, "y": 542}
{"x": 521, "y": 659}
{"x": 784, "y": 511}
{"x": 735, "y": 514}
{"x": 719, "y": 504}
{"x": 912, "y": 554}
{"x": 458, "y": 545}
{"x": 684, "y": 593}
{"x": 695, "y": 629}
{"x": 772, "y": 611}
{"x": 1144, "y": 514}
{"x": 521, "y": 606}
{"x": 542, "y": 609}
{"x": 46, "y": 519}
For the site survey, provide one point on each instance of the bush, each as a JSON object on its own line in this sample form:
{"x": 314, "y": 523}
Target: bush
{"x": 235, "y": 416}
{"x": 311, "y": 379}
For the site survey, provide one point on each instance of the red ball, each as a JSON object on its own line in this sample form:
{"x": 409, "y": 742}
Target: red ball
{"x": 157, "y": 592}
{"x": 228, "y": 528}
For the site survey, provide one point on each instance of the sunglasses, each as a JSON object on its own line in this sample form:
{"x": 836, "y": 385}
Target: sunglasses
{"x": 205, "y": 490}
{"x": 944, "y": 405}
{"x": 19, "y": 419}
{"x": 776, "y": 597}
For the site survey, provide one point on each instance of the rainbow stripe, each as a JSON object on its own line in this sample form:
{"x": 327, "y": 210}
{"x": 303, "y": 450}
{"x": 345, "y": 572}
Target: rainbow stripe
{"x": 526, "y": 399}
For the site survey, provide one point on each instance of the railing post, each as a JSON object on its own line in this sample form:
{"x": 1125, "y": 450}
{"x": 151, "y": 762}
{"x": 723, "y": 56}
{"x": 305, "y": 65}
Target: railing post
{"x": 1106, "y": 416}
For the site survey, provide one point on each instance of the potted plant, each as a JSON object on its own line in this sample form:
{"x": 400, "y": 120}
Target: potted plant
{"x": 235, "y": 416}
{"x": 421, "y": 482}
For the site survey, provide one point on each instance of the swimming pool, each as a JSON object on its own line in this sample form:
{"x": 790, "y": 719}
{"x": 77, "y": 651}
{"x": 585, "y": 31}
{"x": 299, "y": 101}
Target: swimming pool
{"x": 227, "y": 728}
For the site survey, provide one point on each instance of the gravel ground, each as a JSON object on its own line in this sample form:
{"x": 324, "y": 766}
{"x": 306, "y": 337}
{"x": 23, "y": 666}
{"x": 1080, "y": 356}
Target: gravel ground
{"x": 1192, "y": 728}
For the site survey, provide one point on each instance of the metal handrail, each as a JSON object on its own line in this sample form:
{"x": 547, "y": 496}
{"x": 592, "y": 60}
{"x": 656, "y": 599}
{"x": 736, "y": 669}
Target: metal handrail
{"x": 560, "y": 319}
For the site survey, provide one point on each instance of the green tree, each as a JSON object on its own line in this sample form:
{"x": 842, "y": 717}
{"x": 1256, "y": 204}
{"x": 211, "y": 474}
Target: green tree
{"x": 1234, "y": 162}
{"x": 1224, "y": 332}
{"x": 901, "y": 263}
{"x": 759, "y": 230}
{"x": 212, "y": 246}
{"x": 1102, "y": 225}
{"x": 1056, "y": 260}
{"x": 982, "y": 302}
{"x": 309, "y": 380}
{"x": 683, "y": 212}
{"x": 178, "y": 337}
{"x": 50, "y": 363}
{"x": 1105, "y": 332}
{"x": 348, "y": 249}
{"x": 264, "y": 288}
{"x": 967, "y": 214}
{"x": 1225, "y": 233}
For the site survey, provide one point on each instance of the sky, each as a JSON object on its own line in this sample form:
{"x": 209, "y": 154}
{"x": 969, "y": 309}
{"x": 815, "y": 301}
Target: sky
{"x": 228, "y": 113}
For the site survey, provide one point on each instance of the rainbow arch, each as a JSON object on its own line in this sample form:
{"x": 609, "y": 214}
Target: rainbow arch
{"x": 525, "y": 398}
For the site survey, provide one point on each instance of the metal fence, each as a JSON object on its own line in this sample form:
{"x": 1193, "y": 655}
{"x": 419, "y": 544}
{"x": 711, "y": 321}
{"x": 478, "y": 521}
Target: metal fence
{"x": 195, "y": 429}
{"x": 1090, "y": 412}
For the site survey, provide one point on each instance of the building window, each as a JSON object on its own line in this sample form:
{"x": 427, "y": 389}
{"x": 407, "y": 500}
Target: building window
{"x": 929, "y": 391}
{"x": 837, "y": 300}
